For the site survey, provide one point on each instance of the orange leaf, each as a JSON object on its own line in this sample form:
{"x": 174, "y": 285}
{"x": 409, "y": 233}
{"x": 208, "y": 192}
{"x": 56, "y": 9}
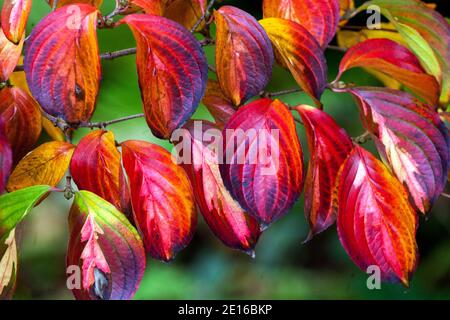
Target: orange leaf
{"x": 376, "y": 223}
{"x": 96, "y": 167}
{"x": 244, "y": 54}
{"x": 46, "y": 164}
{"x": 22, "y": 119}
{"x": 395, "y": 61}
{"x": 301, "y": 53}
{"x": 319, "y": 17}
{"x": 9, "y": 56}
{"x": 62, "y": 62}
{"x": 14, "y": 18}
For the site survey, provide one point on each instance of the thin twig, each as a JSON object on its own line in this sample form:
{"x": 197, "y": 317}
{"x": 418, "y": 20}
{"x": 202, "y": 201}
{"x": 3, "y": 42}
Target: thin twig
{"x": 362, "y": 138}
{"x": 267, "y": 94}
{"x": 117, "y": 54}
{"x": 211, "y": 68}
{"x": 446, "y": 195}
{"x": 203, "y": 17}
{"x": 104, "y": 124}
{"x": 337, "y": 48}
{"x": 359, "y": 28}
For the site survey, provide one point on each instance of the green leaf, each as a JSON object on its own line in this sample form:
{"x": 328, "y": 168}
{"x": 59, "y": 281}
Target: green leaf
{"x": 16, "y": 205}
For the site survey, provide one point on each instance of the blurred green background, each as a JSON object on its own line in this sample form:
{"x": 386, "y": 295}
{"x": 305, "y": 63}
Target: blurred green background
{"x": 284, "y": 268}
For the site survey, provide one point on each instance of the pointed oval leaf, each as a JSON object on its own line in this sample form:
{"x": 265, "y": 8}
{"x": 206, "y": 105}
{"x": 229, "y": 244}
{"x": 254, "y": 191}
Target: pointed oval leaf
{"x": 262, "y": 163}
{"x": 329, "y": 145}
{"x": 244, "y": 54}
{"x": 22, "y": 118}
{"x": 376, "y": 223}
{"x": 9, "y": 56}
{"x": 96, "y": 167}
{"x": 232, "y": 225}
{"x": 219, "y": 106}
{"x": 46, "y": 164}
{"x": 319, "y": 17}
{"x": 411, "y": 137}
{"x": 14, "y": 18}
{"x": 5, "y": 158}
{"x": 106, "y": 248}
{"x": 300, "y": 52}
{"x": 62, "y": 62}
{"x": 172, "y": 71}
{"x": 395, "y": 61}
{"x": 162, "y": 198}
{"x": 425, "y": 31}
{"x": 16, "y": 205}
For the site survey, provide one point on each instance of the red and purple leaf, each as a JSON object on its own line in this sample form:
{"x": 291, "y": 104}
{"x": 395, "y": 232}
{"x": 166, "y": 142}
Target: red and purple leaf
{"x": 395, "y": 61}
{"x": 329, "y": 145}
{"x": 106, "y": 248}
{"x": 14, "y": 18}
{"x": 21, "y": 116}
{"x": 319, "y": 17}
{"x": 411, "y": 137}
{"x": 244, "y": 54}
{"x": 162, "y": 198}
{"x": 232, "y": 225}
{"x": 262, "y": 163}
{"x": 172, "y": 71}
{"x": 96, "y": 167}
{"x": 300, "y": 53}
{"x": 376, "y": 223}
{"x": 62, "y": 62}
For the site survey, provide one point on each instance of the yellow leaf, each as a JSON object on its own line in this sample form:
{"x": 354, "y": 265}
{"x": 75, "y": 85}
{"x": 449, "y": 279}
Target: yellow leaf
{"x": 44, "y": 165}
{"x": 8, "y": 264}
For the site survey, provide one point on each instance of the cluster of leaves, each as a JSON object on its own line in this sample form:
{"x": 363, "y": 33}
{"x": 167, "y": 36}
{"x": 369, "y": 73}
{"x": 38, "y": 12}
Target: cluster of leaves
{"x": 134, "y": 199}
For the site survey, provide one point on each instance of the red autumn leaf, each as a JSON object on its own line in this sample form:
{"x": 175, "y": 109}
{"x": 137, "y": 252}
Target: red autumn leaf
{"x": 162, "y": 199}
{"x": 418, "y": 18}
{"x": 376, "y": 223}
{"x": 262, "y": 163}
{"x": 105, "y": 247}
{"x": 5, "y": 158}
{"x": 96, "y": 167}
{"x": 172, "y": 71}
{"x": 319, "y": 17}
{"x": 395, "y": 61}
{"x": 14, "y": 18}
{"x": 9, "y": 56}
{"x": 62, "y": 62}
{"x": 217, "y": 104}
{"x": 329, "y": 146}
{"x": 232, "y": 225}
{"x": 22, "y": 120}
{"x": 300, "y": 53}
{"x": 411, "y": 137}
{"x": 244, "y": 55}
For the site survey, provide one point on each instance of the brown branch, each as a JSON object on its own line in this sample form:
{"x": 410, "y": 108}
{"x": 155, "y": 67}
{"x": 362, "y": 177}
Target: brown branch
{"x": 117, "y": 54}
{"x": 446, "y": 195}
{"x": 204, "y": 15}
{"x": 55, "y": 4}
{"x": 104, "y": 124}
